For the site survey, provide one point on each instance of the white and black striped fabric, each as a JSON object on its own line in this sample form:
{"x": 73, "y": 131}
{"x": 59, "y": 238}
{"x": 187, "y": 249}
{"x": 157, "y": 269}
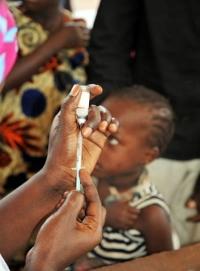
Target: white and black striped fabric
{"x": 123, "y": 245}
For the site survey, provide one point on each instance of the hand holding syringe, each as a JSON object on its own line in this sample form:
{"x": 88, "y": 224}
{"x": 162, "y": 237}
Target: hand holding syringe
{"x": 81, "y": 114}
{"x": 105, "y": 125}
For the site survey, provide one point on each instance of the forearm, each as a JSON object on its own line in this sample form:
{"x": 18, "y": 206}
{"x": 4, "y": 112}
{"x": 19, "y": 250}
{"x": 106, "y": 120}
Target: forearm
{"x": 23, "y": 209}
{"x": 181, "y": 260}
{"x": 30, "y": 64}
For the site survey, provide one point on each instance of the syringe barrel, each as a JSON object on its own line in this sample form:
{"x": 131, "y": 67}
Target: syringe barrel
{"x": 83, "y": 106}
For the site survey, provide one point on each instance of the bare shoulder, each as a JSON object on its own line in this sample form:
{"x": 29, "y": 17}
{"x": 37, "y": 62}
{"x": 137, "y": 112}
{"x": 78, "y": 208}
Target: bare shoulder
{"x": 156, "y": 228}
{"x": 153, "y": 215}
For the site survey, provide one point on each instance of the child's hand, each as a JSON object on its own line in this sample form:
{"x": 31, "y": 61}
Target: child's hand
{"x": 120, "y": 215}
{"x": 194, "y": 202}
{"x": 72, "y": 35}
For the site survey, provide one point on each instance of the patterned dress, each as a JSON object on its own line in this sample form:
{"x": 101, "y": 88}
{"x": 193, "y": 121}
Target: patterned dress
{"x": 26, "y": 112}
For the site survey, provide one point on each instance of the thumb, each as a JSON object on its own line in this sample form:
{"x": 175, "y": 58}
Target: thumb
{"x": 72, "y": 206}
{"x": 69, "y": 105}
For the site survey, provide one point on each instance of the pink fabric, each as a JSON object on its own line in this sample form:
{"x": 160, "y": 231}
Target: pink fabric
{"x": 8, "y": 43}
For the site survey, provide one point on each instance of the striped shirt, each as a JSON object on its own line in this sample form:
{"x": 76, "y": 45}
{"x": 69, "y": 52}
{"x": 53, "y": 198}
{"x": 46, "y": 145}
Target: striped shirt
{"x": 123, "y": 245}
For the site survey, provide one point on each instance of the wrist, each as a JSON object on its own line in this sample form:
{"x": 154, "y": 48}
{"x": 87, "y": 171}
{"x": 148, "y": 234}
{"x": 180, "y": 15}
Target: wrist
{"x": 54, "y": 45}
{"x": 58, "y": 180}
{"x": 38, "y": 261}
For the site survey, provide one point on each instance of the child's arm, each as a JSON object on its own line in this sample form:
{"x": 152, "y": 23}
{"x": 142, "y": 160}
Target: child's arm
{"x": 71, "y": 35}
{"x": 155, "y": 225}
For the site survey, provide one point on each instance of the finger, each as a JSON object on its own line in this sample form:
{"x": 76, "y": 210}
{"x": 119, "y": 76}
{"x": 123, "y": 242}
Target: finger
{"x": 95, "y": 90}
{"x": 130, "y": 221}
{"x": 68, "y": 108}
{"x": 191, "y": 204}
{"x": 71, "y": 207}
{"x": 126, "y": 225}
{"x": 133, "y": 211}
{"x": 80, "y": 20}
{"x": 133, "y": 217}
{"x": 94, "y": 207}
{"x": 93, "y": 120}
{"x": 106, "y": 118}
{"x": 100, "y": 136}
{"x": 194, "y": 219}
{"x": 113, "y": 126}
{"x": 76, "y": 23}
{"x": 69, "y": 105}
{"x": 103, "y": 215}
{"x": 81, "y": 215}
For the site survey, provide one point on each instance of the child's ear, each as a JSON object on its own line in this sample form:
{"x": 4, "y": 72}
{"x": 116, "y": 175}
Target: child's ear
{"x": 151, "y": 154}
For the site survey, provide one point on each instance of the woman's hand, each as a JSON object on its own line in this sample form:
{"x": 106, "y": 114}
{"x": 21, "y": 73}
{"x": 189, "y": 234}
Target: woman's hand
{"x": 63, "y": 238}
{"x": 61, "y": 157}
{"x": 73, "y": 34}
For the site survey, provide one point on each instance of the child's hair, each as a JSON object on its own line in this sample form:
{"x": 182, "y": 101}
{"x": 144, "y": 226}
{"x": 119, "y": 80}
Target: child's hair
{"x": 162, "y": 128}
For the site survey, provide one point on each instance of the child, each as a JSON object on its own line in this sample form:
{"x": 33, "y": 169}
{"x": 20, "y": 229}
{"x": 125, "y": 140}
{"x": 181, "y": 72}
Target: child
{"x": 137, "y": 222}
{"x": 51, "y": 59}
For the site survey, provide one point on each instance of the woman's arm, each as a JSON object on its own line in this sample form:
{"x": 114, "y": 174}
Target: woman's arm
{"x": 23, "y": 209}
{"x": 71, "y": 35}
{"x": 179, "y": 260}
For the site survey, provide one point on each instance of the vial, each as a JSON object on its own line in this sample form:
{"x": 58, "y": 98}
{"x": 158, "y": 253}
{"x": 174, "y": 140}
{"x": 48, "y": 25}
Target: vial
{"x": 83, "y": 106}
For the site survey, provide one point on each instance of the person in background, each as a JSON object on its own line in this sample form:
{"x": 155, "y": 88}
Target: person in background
{"x": 51, "y": 60}
{"x": 138, "y": 219}
{"x": 156, "y": 44}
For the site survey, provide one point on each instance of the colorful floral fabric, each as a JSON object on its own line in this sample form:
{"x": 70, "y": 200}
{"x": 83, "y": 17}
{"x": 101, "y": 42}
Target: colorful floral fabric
{"x": 27, "y": 112}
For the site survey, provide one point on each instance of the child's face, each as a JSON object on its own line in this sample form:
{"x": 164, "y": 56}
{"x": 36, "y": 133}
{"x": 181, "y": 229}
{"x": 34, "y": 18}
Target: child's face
{"x": 127, "y": 150}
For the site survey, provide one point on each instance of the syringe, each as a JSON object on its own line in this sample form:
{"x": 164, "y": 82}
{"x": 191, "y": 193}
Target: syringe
{"x": 81, "y": 114}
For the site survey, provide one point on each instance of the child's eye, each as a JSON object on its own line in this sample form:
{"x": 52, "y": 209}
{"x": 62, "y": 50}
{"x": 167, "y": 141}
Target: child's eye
{"x": 113, "y": 141}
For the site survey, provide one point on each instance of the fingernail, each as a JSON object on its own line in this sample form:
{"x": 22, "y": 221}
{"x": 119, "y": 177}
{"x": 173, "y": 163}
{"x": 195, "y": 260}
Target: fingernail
{"x": 66, "y": 193}
{"x": 87, "y": 131}
{"x": 192, "y": 204}
{"x": 75, "y": 90}
{"x": 103, "y": 125}
{"x": 113, "y": 127}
